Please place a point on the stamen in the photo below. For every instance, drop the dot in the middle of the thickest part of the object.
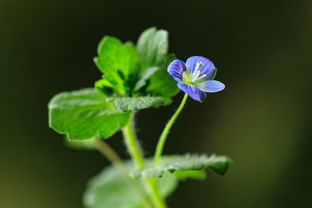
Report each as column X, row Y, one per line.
column 198, row 78
column 195, row 76
column 200, row 64
column 196, row 72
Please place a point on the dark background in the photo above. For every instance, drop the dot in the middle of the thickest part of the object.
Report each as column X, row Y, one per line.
column 262, row 120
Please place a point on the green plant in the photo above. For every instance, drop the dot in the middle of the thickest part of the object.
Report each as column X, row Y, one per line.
column 135, row 78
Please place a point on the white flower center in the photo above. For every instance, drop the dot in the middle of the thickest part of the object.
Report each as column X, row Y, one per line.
column 197, row 75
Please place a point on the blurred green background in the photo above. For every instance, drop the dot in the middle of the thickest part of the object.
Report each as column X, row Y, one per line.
column 262, row 120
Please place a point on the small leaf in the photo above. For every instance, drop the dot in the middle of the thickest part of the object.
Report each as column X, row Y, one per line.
column 87, row 144
column 85, row 114
column 137, row 103
column 145, row 76
column 193, row 174
column 152, row 47
column 167, row 184
column 218, row 164
column 161, row 83
column 104, row 86
column 116, row 60
column 111, row 189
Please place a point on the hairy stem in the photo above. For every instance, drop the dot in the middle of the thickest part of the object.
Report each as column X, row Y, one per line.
column 132, row 142
column 158, row 200
column 112, row 156
column 109, row 153
column 137, row 156
column 164, row 134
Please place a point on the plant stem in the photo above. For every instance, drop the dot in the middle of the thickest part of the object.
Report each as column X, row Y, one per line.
column 137, row 156
column 109, row 153
column 157, row 199
column 112, row 156
column 132, row 142
column 164, row 134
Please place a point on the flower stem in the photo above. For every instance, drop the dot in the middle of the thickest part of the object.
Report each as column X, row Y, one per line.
column 137, row 156
column 164, row 134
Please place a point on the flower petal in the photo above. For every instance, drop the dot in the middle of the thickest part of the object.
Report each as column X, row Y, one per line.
column 193, row 92
column 211, row 86
column 208, row 67
column 176, row 69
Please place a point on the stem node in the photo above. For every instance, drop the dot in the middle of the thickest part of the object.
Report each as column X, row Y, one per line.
column 136, row 154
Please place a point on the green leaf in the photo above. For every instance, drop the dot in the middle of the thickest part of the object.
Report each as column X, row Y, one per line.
column 145, row 76
column 152, row 47
column 218, row 164
column 193, row 174
column 167, row 184
column 111, row 189
column 85, row 114
column 87, row 144
column 116, row 60
column 161, row 83
column 104, row 86
column 137, row 103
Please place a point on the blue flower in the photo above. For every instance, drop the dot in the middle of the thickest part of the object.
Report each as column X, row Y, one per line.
column 195, row 77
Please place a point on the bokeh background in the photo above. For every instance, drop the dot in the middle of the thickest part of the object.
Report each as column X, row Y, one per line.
column 262, row 49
